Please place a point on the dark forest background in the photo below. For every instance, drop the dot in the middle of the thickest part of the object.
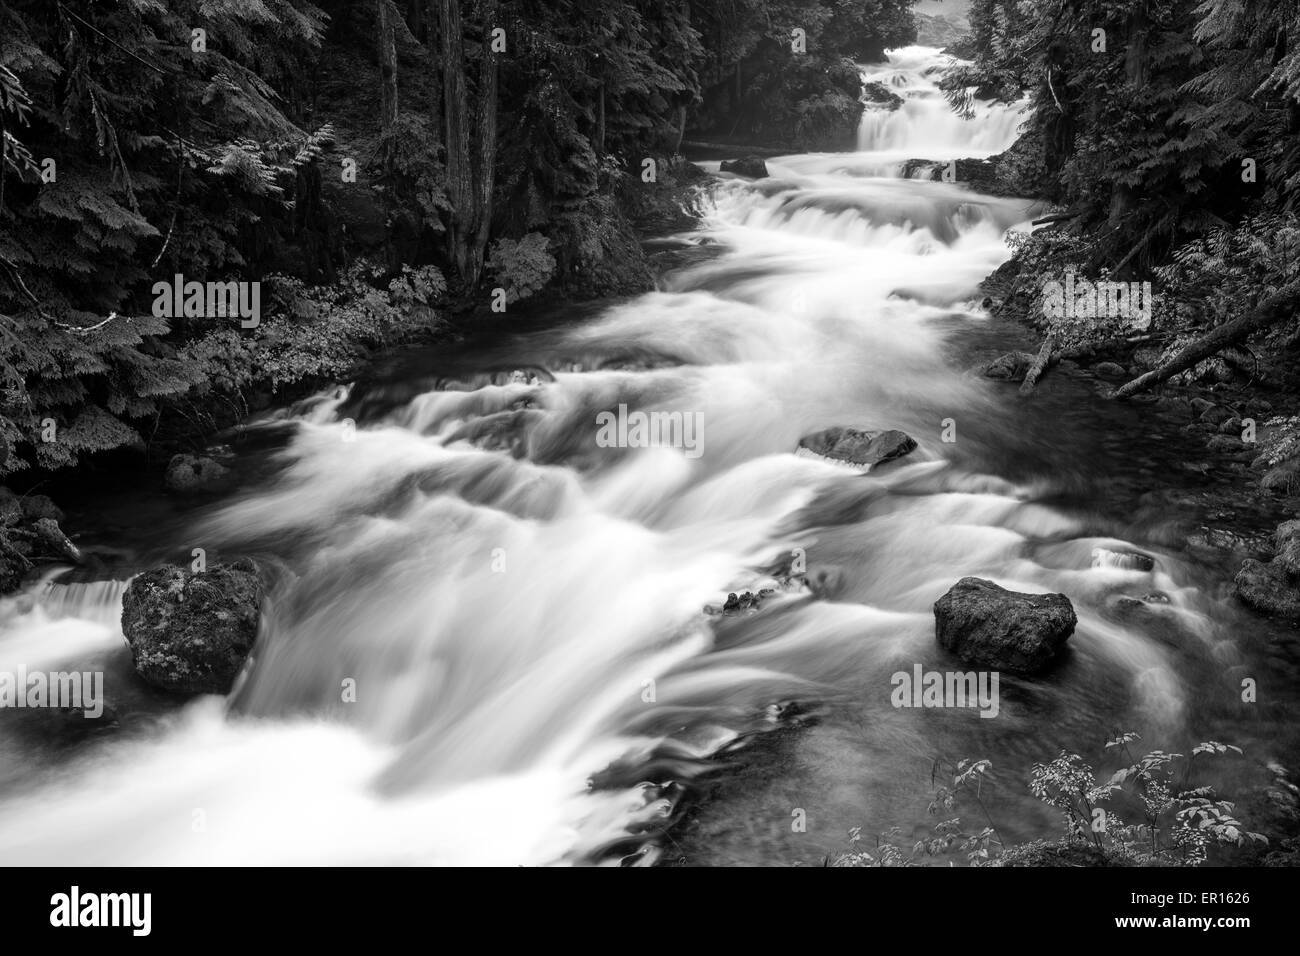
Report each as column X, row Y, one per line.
column 382, row 168
column 378, row 166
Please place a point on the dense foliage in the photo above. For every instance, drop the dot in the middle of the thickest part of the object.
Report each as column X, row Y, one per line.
column 1169, row 135
column 1148, row 812
column 784, row 70
column 364, row 148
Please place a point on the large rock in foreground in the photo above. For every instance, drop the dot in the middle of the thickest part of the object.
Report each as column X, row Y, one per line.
column 989, row 626
column 855, row 447
column 190, row 632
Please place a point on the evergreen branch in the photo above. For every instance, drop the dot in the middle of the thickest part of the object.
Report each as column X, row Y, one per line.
column 153, row 66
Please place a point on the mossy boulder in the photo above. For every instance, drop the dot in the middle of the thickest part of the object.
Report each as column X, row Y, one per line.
column 988, row 626
column 196, row 474
column 190, row 632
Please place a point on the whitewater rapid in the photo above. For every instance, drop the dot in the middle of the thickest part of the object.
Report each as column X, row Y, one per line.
column 536, row 682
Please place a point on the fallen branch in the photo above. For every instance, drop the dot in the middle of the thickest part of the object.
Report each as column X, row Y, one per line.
column 83, row 329
column 1040, row 364
column 1055, row 217
column 1087, row 350
column 1281, row 305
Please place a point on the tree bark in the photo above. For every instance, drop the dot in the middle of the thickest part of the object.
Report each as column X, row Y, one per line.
column 384, row 13
column 431, row 35
column 415, row 19
column 486, row 136
column 1281, row 305
column 456, row 114
column 600, row 123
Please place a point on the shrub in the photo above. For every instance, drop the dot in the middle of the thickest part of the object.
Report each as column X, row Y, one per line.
column 520, row 267
column 1147, row 813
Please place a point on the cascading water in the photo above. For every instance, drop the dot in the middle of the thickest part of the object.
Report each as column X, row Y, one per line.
column 520, row 624
column 925, row 127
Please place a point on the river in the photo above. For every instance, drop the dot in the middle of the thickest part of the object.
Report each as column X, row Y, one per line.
column 535, row 679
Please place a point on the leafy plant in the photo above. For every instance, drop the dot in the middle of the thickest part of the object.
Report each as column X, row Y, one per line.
column 521, row 267
column 1176, row 822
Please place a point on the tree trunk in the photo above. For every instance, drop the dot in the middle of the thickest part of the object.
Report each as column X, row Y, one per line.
column 387, row 63
column 456, row 114
column 681, row 129
column 1123, row 198
column 1281, row 305
column 600, row 123
column 415, row 19
column 431, row 36
column 486, row 134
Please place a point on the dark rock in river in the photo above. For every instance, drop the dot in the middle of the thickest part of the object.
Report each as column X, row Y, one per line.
column 1009, row 367
column 751, row 166
column 1110, row 370
column 856, row 447
column 190, row 632
column 989, row 626
column 195, row 474
column 881, row 95
column 1216, row 415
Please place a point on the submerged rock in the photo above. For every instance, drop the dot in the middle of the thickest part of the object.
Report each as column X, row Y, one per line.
column 987, row 625
column 736, row 603
column 1110, row 370
column 751, row 166
column 857, row 447
column 1123, row 560
column 190, row 632
column 196, row 474
column 1009, row 367
column 1216, row 415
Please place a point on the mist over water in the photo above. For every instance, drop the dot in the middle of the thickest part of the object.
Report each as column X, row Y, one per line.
column 522, row 626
